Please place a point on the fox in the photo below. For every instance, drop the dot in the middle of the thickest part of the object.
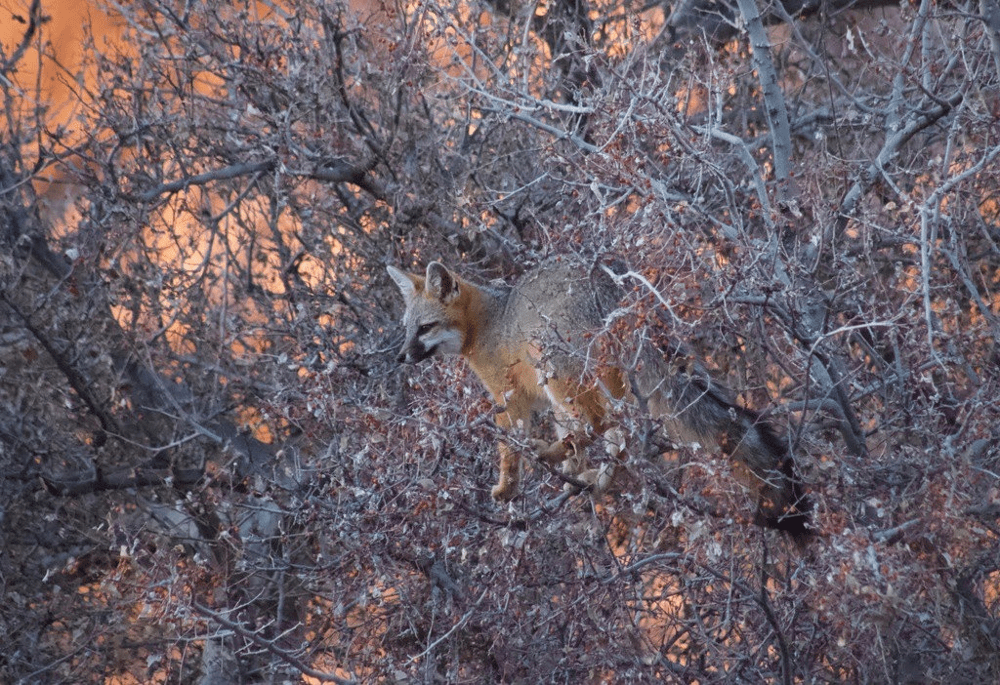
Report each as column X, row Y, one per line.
column 538, row 347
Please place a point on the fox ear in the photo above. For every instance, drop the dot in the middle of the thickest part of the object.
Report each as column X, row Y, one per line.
column 407, row 282
column 441, row 283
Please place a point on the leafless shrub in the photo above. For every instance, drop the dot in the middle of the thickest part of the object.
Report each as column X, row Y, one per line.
column 214, row 471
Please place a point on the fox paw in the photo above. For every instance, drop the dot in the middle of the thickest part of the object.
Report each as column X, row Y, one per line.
column 504, row 492
column 554, row 452
column 599, row 480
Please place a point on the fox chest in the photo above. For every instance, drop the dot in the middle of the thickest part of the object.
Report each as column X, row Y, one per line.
column 514, row 378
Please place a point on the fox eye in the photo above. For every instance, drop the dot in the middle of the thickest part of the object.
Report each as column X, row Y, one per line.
column 425, row 328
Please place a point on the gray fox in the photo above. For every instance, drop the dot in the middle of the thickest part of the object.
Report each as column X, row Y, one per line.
column 538, row 346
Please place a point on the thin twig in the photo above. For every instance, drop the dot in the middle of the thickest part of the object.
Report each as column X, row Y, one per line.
column 461, row 622
column 269, row 645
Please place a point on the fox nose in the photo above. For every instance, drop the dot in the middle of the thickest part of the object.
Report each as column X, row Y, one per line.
column 405, row 355
column 414, row 353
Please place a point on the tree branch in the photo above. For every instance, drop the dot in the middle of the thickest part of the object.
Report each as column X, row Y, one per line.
column 34, row 19
column 330, row 172
column 548, row 128
column 223, row 174
column 75, row 378
column 889, row 149
column 774, row 99
column 748, row 160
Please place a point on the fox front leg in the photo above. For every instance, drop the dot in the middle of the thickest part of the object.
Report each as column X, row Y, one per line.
column 515, row 417
column 510, row 474
column 565, row 451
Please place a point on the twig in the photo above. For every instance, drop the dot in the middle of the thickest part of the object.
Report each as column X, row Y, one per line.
column 928, row 208
column 891, row 534
column 461, row 622
column 748, row 161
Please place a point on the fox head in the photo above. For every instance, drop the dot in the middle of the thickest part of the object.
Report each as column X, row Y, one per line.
column 431, row 319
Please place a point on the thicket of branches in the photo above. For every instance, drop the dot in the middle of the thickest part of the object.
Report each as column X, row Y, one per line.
column 213, row 469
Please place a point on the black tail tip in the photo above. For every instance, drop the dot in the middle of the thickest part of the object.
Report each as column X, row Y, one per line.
column 796, row 522
column 794, row 515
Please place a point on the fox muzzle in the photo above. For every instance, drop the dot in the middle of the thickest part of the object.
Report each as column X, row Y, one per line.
column 415, row 352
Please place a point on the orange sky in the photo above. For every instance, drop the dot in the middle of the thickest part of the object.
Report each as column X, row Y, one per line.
column 62, row 36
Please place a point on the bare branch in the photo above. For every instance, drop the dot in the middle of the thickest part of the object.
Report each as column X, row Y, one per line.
column 756, row 173
column 890, row 148
column 34, row 20
column 80, row 385
column 774, row 99
column 337, row 172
